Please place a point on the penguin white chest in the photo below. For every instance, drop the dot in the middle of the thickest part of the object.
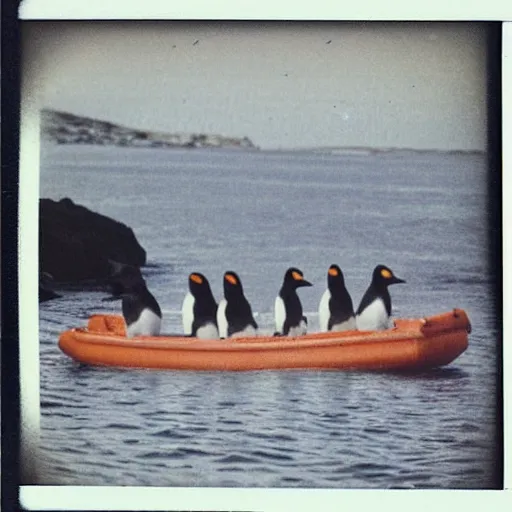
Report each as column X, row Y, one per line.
column 187, row 313
column 247, row 332
column 299, row 330
column 347, row 325
column 323, row 311
column 148, row 324
column 208, row 332
column 279, row 314
column 374, row 317
column 222, row 321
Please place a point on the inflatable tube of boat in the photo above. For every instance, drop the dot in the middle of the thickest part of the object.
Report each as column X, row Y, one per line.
column 413, row 344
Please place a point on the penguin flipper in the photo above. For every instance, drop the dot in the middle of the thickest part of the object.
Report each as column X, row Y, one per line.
column 304, row 325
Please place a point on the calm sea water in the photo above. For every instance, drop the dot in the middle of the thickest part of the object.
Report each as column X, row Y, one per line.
column 258, row 213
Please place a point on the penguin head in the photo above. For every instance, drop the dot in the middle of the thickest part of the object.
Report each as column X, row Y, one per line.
column 383, row 276
column 125, row 279
column 294, row 278
column 232, row 285
column 198, row 283
column 335, row 276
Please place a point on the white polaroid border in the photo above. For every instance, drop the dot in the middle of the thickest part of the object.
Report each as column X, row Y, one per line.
column 34, row 497
column 469, row 10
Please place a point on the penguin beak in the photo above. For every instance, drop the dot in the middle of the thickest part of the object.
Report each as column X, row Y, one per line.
column 396, row 280
column 303, row 282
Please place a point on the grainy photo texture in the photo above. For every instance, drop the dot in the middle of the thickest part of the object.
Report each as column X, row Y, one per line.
column 265, row 183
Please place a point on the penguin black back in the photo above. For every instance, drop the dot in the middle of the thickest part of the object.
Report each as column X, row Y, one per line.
column 136, row 299
column 205, row 306
column 238, row 310
column 288, row 307
column 129, row 285
column 341, row 308
column 382, row 278
column 374, row 311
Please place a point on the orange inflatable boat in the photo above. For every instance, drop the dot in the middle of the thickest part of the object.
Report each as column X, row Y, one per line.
column 412, row 344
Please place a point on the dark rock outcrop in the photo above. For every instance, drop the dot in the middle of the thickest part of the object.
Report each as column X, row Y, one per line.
column 45, row 295
column 46, row 292
column 76, row 243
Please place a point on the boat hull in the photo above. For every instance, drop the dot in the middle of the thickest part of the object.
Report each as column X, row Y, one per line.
column 411, row 345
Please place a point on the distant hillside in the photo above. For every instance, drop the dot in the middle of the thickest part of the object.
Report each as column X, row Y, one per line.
column 65, row 128
column 368, row 150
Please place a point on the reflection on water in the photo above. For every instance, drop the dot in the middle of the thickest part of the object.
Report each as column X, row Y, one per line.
column 259, row 213
column 445, row 373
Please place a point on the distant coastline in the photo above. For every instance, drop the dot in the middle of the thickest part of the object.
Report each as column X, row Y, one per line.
column 66, row 128
column 367, row 150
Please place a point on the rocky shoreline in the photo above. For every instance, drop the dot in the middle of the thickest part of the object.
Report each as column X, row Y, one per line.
column 66, row 128
column 76, row 244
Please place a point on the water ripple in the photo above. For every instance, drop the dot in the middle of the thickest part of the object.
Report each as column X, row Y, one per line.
column 332, row 429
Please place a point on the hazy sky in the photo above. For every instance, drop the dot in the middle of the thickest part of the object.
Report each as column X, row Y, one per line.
column 282, row 85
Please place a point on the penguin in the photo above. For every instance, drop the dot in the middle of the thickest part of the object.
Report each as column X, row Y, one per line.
column 336, row 311
column 374, row 311
column 288, row 309
column 141, row 311
column 199, row 309
column 234, row 314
